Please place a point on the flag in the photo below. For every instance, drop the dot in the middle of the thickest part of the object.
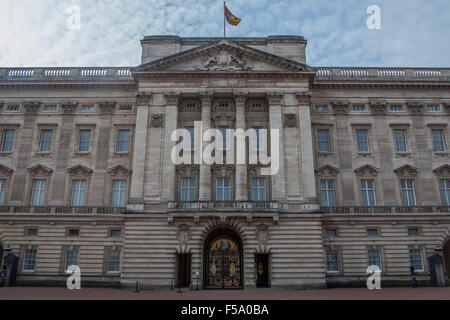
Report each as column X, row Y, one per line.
column 231, row 19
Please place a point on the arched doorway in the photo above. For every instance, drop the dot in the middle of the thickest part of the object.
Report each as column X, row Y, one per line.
column 446, row 252
column 223, row 260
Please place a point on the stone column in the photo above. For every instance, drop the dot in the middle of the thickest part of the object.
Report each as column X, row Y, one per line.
column 205, row 170
column 136, row 202
column 306, row 147
column 274, row 100
column 171, row 124
column 241, row 169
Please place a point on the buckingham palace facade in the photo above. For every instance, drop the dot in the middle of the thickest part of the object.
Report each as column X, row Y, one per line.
column 87, row 176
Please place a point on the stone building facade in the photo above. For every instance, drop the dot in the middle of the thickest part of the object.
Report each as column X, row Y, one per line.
column 87, row 177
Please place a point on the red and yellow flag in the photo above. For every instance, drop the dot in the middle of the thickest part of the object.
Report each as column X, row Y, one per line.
column 231, row 19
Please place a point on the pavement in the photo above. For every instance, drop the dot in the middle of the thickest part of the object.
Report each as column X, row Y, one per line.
column 34, row 293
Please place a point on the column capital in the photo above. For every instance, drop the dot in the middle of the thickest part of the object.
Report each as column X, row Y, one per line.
column 206, row 98
column 274, row 98
column 172, row 98
column 240, row 98
column 303, row 97
column 143, row 98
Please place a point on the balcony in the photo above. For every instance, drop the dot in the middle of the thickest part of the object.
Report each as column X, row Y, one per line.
column 62, row 210
column 227, row 205
column 386, row 210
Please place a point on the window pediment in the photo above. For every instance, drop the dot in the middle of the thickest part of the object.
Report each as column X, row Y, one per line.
column 187, row 170
column 79, row 170
column 407, row 171
column 39, row 170
column 119, row 171
column 5, row 171
column 327, row 170
column 223, row 170
column 442, row 171
column 367, row 170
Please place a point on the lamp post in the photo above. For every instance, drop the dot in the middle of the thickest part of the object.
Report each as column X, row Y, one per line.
column 438, row 249
column 197, row 275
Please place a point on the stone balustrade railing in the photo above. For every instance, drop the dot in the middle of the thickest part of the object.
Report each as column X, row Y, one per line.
column 386, row 210
column 55, row 74
column 325, row 73
column 234, row 205
column 61, row 210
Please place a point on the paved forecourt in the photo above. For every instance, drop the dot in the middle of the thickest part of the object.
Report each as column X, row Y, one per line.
column 33, row 293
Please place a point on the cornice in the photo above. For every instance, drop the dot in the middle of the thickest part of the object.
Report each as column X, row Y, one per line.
column 378, row 85
column 66, row 85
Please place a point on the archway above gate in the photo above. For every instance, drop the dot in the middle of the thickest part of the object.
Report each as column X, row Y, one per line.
column 223, row 260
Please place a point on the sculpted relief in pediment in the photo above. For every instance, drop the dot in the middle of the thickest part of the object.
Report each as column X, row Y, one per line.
column 224, row 61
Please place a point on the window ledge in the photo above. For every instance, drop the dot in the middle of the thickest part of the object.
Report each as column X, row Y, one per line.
column 5, row 154
column 364, row 154
column 442, row 154
column 121, row 153
column 325, row 154
column 403, row 154
column 82, row 154
column 43, row 153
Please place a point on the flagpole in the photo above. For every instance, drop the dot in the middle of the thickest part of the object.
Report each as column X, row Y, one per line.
column 224, row 22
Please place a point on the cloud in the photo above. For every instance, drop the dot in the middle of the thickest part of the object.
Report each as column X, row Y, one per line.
column 413, row 32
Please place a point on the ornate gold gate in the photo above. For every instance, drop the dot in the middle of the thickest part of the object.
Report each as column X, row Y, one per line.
column 223, row 264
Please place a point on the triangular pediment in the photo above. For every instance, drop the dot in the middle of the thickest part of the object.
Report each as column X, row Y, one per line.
column 79, row 170
column 5, row 171
column 407, row 171
column 443, row 171
column 367, row 170
column 40, row 170
column 223, row 56
column 327, row 170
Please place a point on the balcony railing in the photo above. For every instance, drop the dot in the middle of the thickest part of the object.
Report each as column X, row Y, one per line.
column 56, row 74
column 386, row 210
column 330, row 73
column 62, row 210
column 232, row 205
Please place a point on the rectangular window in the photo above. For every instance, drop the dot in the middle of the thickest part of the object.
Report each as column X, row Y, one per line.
column 126, row 107
column 375, row 258
column 123, row 141
column 372, row 232
column 445, row 192
column 258, row 189
column 74, row 232
column 32, row 232
column 2, row 192
column 359, row 108
column 438, row 140
column 223, row 189
column 189, row 140
column 13, row 108
column 323, row 137
column 327, row 193
column 116, row 233
column 400, row 141
column 396, row 108
column 368, row 193
column 119, row 193
column 332, row 261
column 331, row 233
column 259, row 143
column 415, row 256
column 88, row 108
column 408, row 194
column 38, row 193
column 434, row 108
column 113, row 263
column 49, row 108
column 7, row 140
column 223, row 144
column 188, row 190
column 45, row 141
column 29, row 260
column 78, row 193
column 362, row 140
column 321, row 108
column 413, row 232
column 84, row 142
column 71, row 259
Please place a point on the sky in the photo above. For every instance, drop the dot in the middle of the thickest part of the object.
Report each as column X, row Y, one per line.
column 38, row 33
